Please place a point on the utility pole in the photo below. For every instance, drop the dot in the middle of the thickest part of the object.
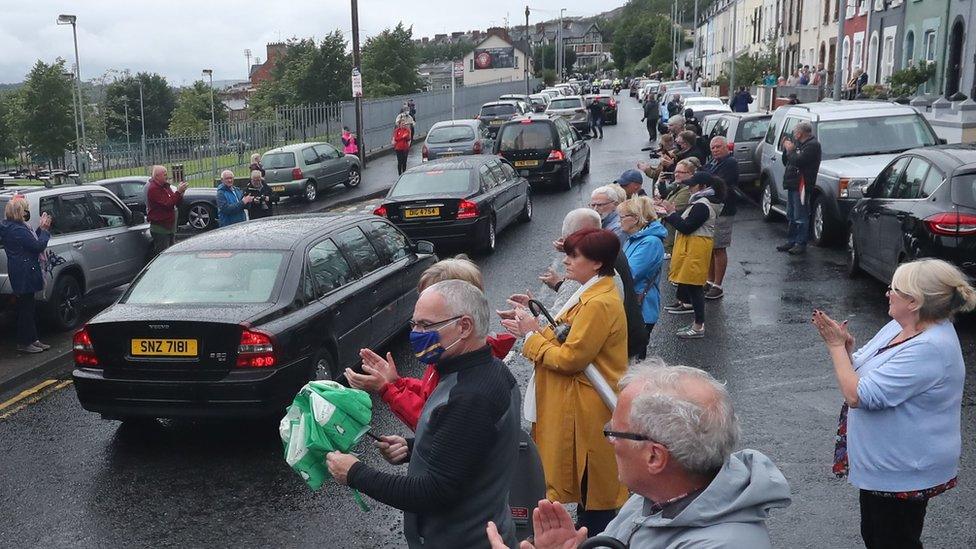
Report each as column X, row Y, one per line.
column 694, row 61
column 142, row 121
column 128, row 141
column 247, row 56
column 356, row 61
column 559, row 48
column 735, row 28
column 74, row 104
column 73, row 20
column 526, row 52
column 839, row 67
column 213, row 124
column 674, row 40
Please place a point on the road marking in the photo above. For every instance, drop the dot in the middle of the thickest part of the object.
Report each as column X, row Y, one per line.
column 30, row 396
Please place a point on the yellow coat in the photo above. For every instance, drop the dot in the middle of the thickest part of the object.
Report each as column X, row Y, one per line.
column 570, row 413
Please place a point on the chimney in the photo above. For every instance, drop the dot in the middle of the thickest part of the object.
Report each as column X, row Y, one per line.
column 276, row 50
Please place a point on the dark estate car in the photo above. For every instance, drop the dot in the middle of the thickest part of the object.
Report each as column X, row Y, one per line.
column 231, row 323
column 198, row 209
column 923, row 204
column 458, row 201
column 544, row 149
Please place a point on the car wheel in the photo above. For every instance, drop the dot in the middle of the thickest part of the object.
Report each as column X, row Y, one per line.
column 491, row 236
column 324, row 369
column 853, row 255
column 311, row 191
column 201, row 216
column 766, row 201
column 824, row 226
column 586, row 166
column 355, row 177
column 64, row 309
column 526, row 215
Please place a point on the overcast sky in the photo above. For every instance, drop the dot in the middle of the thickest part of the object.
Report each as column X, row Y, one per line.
column 178, row 38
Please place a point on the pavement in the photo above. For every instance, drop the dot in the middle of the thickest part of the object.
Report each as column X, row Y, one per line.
column 70, row 478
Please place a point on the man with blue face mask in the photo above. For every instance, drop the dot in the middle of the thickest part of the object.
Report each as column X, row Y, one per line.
column 463, row 455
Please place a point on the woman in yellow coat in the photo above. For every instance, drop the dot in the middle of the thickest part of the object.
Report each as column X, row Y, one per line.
column 570, row 414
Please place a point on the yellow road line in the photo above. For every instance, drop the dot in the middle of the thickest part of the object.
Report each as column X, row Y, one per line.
column 30, row 396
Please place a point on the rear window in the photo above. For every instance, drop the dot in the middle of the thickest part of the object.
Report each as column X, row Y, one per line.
column 208, row 277
column 432, row 182
column 877, row 135
column 752, row 130
column 450, row 134
column 497, row 110
column 963, row 190
column 275, row 161
column 518, row 137
column 567, row 103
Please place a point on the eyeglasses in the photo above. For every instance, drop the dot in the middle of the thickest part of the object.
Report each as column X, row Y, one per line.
column 599, row 204
column 899, row 292
column 432, row 326
column 612, row 436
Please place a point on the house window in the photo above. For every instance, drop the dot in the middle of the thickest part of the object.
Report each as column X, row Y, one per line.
column 929, row 42
column 858, row 50
column 909, row 47
column 826, row 11
column 887, row 58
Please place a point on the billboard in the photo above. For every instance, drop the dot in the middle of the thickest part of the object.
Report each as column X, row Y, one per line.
column 494, row 58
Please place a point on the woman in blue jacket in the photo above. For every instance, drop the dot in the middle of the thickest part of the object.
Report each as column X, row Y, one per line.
column 645, row 253
column 899, row 438
column 23, row 247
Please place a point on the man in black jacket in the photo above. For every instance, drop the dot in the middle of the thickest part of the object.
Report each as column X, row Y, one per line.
column 801, row 156
column 652, row 113
column 460, row 462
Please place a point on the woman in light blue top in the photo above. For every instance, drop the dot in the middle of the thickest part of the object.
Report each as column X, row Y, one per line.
column 645, row 253
column 899, row 433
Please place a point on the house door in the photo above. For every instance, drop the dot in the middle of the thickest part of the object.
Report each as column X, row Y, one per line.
column 954, row 68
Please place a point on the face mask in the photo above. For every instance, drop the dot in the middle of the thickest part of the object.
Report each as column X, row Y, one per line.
column 427, row 346
column 26, row 215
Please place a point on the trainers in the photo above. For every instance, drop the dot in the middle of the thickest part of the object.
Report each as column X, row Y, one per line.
column 667, row 257
column 798, row 250
column 714, row 292
column 682, row 310
column 29, row 349
column 675, row 305
column 708, row 285
column 785, row 247
column 43, row 346
column 691, row 333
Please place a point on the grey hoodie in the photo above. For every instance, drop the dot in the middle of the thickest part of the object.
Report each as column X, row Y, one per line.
column 729, row 513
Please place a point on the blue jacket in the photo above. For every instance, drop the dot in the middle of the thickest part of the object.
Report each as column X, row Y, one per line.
column 645, row 254
column 230, row 206
column 23, row 249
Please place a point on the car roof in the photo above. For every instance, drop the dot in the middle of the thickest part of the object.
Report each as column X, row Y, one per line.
column 493, row 103
column 464, row 162
column 294, row 148
column 280, row 232
column 533, row 116
column 580, row 97
column 742, row 115
column 843, row 110
column 948, row 156
column 458, row 122
column 55, row 189
column 140, row 178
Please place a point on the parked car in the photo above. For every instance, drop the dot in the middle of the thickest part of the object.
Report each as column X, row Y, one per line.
column 704, row 106
column 648, row 90
column 539, row 102
column 744, row 132
column 496, row 113
column 305, row 169
column 552, row 93
column 524, row 101
column 455, row 138
column 858, row 138
column 922, row 204
column 198, row 208
column 96, row 244
column 567, row 89
column 573, row 110
column 665, row 98
column 544, row 149
column 609, row 107
column 460, row 201
column 231, row 323
column 635, row 86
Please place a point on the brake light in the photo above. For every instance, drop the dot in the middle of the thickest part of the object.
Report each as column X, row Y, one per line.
column 843, row 187
column 526, row 121
column 467, row 210
column 951, row 224
column 476, row 149
column 380, row 211
column 556, row 156
column 731, row 146
column 296, row 173
column 84, row 351
column 256, row 350
column 424, row 153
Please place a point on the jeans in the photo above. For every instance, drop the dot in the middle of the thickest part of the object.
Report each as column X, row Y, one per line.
column 652, row 129
column 596, row 127
column 402, row 161
column 891, row 523
column 696, row 296
column 26, row 320
column 798, row 216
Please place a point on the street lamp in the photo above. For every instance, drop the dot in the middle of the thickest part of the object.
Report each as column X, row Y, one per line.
column 72, row 20
column 213, row 122
column 142, row 120
column 74, row 106
column 560, row 48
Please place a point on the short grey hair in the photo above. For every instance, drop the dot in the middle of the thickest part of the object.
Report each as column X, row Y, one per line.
column 677, row 120
column 463, row 298
column 226, row 173
column 580, row 218
column 156, row 170
column 700, row 436
column 719, row 139
column 612, row 192
column 256, row 174
column 805, row 127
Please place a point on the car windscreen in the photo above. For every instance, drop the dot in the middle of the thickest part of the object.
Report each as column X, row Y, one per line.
column 277, row 161
column 497, row 110
column 963, row 190
column 520, row 137
column 875, row 135
column 568, row 103
column 432, row 182
column 752, row 130
column 450, row 134
column 217, row 277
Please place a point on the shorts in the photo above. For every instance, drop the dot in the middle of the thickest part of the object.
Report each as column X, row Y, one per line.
column 723, row 232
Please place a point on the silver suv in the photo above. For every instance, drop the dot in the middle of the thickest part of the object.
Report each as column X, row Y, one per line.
column 96, row 243
column 858, row 139
column 307, row 168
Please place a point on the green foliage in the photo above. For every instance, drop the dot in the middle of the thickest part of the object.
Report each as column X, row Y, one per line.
column 749, row 68
column 390, row 63
column 46, row 111
column 307, row 73
column 159, row 100
column 905, row 82
column 548, row 77
column 9, row 140
column 431, row 53
column 192, row 113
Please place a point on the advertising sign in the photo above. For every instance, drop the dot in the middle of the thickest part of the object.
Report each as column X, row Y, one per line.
column 494, row 58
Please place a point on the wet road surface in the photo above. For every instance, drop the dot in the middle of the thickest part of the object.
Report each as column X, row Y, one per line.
column 71, row 479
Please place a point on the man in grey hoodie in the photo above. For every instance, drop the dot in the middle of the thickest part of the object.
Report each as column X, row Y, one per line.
column 673, row 432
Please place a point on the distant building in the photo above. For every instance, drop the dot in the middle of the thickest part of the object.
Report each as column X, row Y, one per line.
column 581, row 36
column 437, row 75
column 261, row 72
column 496, row 58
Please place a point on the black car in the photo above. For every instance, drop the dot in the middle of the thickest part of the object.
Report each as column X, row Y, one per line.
column 462, row 200
column 923, row 204
column 496, row 113
column 609, row 107
column 544, row 149
column 231, row 323
column 198, row 209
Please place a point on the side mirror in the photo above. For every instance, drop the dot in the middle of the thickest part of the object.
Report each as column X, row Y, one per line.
column 137, row 218
column 942, row 141
column 423, row 247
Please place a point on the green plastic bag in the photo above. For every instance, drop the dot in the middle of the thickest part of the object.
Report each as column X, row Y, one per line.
column 324, row 417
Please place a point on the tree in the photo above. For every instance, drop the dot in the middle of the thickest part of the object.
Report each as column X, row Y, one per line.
column 545, row 57
column 749, row 68
column 390, row 63
column 158, row 100
column 307, row 73
column 192, row 113
column 432, row 53
column 8, row 139
column 46, row 111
